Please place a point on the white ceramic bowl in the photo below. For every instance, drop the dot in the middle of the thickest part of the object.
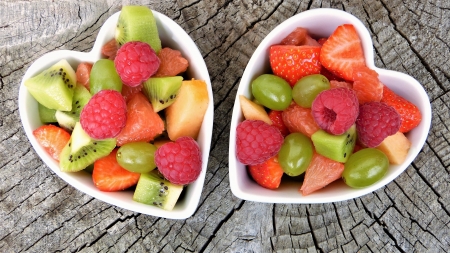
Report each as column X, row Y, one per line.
column 321, row 23
column 171, row 35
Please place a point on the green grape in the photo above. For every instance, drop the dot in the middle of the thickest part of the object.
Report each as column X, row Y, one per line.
column 365, row 167
column 272, row 91
column 137, row 157
column 295, row 154
column 104, row 77
column 307, row 88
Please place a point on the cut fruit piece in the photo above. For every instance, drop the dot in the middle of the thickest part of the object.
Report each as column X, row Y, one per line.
column 253, row 111
column 67, row 119
column 277, row 121
column 143, row 123
column 52, row 138
column 342, row 51
column 153, row 189
column 83, row 72
column 81, row 151
column 53, row 87
column 299, row 119
column 185, row 116
column 109, row 50
column 137, row 23
column 162, row 91
column 109, row 176
column 395, row 147
column 46, row 115
column 267, row 174
column 336, row 147
column 320, row 172
column 366, row 85
column 172, row 63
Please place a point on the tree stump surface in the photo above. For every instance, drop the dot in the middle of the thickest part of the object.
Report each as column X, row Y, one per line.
column 39, row 212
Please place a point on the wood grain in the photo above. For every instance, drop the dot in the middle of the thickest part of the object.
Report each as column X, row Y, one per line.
column 39, row 212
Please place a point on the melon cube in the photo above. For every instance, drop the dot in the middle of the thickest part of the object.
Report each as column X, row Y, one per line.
column 395, row 147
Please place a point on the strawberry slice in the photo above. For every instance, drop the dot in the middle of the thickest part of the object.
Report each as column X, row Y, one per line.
column 52, row 139
column 109, row 176
column 342, row 51
column 410, row 115
column 277, row 120
column 267, row 174
column 366, row 84
column 294, row 62
column 320, row 172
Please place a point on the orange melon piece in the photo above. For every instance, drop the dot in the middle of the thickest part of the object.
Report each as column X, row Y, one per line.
column 253, row 111
column 395, row 147
column 143, row 123
column 185, row 116
column 320, row 172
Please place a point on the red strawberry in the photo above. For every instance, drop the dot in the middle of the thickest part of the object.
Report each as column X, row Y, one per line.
column 267, row 174
column 410, row 115
column 320, row 172
column 109, row 176
column 321, row 41
column 52, row 139
column 277, row 121
column 342, row 52
column 294, row 62
column 366, row 85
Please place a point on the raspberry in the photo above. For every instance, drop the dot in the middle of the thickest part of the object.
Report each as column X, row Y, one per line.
column 135, row 62
column 104, row 115
column 335, row 110
column 180, row 162
column 256, row 141
column 375, row 122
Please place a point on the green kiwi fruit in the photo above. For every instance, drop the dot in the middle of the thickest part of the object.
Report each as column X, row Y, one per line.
column 46, row 115
column 162, row 91
column 153, row 189
column 54, row 87
column 67, row 119
column 137, row 23
column 336, row 147
column 81, row 150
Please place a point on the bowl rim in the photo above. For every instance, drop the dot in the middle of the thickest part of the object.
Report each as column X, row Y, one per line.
column 244, row 188
column 172, row 32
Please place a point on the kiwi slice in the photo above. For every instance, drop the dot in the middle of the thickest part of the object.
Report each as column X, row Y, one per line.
column 67, row 119
column 153, row 189
column 46, row 115
column 137, row 23
column 335, row 147
column 81, row 150
column 162, row 91
column 54, row 87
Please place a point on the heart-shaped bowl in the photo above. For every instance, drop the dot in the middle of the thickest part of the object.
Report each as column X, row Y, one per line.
column 321, row 23
column 173, row 36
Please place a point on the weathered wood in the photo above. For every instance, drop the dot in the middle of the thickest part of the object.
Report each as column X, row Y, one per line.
column 39, row 212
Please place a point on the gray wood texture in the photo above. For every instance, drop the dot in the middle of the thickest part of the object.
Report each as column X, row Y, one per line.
column 39, row 212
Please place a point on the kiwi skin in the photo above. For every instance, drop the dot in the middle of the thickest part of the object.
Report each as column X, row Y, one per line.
column 86, row 153
column 162, row 91
column 137, row 23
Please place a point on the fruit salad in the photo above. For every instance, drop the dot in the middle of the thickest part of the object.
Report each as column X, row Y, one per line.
column 130, row 119
column 322, row 115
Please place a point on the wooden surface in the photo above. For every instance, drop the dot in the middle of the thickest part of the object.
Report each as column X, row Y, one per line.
column 39, row 212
